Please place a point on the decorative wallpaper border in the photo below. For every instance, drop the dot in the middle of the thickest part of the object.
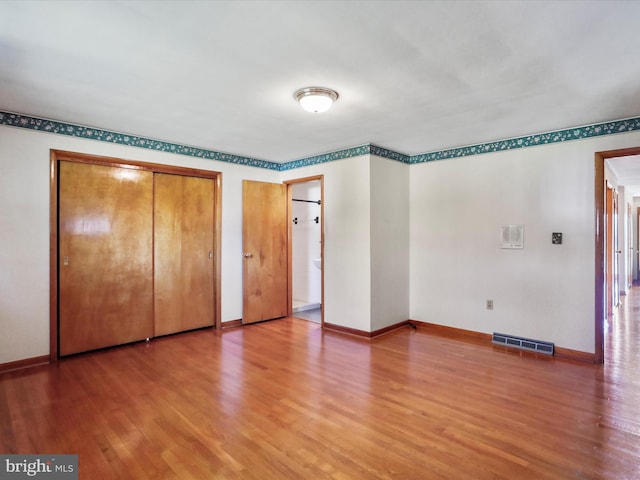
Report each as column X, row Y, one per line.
column 346, row 153
column 390, row 154
column 60, row 128
column 327, row 157
column 578, row 133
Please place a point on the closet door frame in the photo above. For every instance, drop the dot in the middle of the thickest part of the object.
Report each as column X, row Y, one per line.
column 57, row 156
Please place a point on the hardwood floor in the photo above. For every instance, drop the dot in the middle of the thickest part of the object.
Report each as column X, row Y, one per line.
column 284, row 400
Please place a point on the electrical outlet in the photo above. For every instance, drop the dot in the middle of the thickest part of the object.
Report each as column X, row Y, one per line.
column 489, row 304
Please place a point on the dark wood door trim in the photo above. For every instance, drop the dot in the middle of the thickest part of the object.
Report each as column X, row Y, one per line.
column 56, row 156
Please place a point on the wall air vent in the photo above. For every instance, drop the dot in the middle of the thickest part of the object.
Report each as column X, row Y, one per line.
column 523, row 343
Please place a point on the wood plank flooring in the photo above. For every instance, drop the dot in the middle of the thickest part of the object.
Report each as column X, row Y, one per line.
column 284, row 400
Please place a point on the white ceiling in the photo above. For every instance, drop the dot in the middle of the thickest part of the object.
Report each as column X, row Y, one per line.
column 413, row 76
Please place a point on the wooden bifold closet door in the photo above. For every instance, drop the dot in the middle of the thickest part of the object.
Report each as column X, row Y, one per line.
column 183, row 239
column 105, row 272
column 136, row 255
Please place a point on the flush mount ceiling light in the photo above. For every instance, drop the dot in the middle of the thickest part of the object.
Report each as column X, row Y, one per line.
column 316, row 99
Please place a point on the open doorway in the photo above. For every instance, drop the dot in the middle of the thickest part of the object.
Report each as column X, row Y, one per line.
column 617, row 177
column 306, row 253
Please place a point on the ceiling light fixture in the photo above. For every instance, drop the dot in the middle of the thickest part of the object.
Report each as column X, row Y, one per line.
column 316, row 99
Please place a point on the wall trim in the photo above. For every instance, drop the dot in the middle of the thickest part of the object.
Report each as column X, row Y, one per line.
column 332, row 327
column 232, row 323
column 327, row 157
column 534, row 140
column 390, row 154
column 389, row 328
column 101, row 135
column 24, row 363
column 452, row 332
column 363, row 333
column 576, row 355
column 485, row 338
column 557, row 136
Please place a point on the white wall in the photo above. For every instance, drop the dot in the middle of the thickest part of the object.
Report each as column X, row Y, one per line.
column 389, row 242
column 455, row 209
column 347, row 253
column 24, row 230
column 305, row 240
column 544, row 291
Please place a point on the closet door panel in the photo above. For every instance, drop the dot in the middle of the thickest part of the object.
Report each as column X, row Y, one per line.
column 183, row 258
column 105, row 256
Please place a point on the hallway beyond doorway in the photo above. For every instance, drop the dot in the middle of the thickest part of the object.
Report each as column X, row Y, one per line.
column 622, row 338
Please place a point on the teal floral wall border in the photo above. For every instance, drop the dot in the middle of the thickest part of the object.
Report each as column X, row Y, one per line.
column 578, row 133
column 60, row 128
column 327, row 157
column 346, row 153
column 390, row 154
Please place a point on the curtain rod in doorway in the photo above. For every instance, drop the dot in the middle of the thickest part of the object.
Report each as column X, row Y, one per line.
column 308, row 201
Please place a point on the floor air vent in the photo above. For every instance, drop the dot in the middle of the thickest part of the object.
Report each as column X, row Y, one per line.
column 523, row 343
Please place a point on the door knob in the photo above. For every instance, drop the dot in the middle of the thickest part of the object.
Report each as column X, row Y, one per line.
column 248, row 255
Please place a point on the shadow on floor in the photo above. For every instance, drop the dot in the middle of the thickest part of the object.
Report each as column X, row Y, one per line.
column 313, row 315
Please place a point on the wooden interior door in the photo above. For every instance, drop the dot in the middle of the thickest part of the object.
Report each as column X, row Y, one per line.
column 105, row 271
column 183, row 253
column 264, row 241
